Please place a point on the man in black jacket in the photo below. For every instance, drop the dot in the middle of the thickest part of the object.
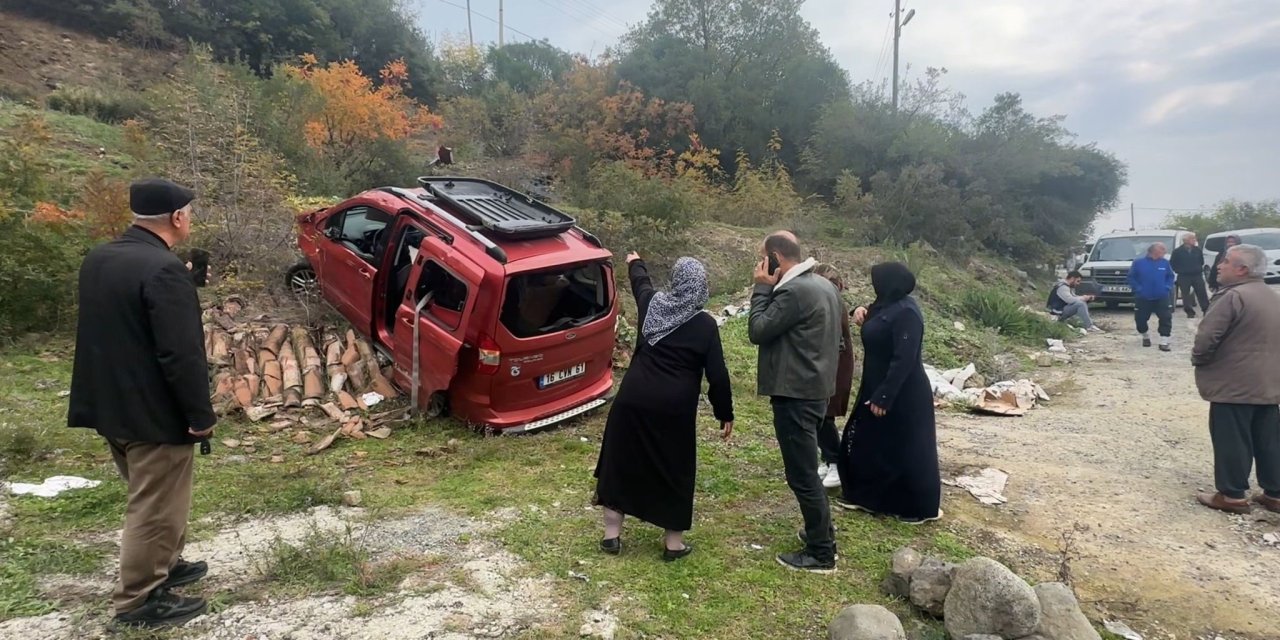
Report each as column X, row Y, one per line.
column 1188, row 264
column 1230, row 241
column 796, row 321
column 141, row 380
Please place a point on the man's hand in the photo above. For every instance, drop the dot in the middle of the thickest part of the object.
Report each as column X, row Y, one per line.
column 762, row 276
column 200, row 434
column 877, row 410
column 726, row 429
column 1089, row 297
column 859, row 316
column 632, row 257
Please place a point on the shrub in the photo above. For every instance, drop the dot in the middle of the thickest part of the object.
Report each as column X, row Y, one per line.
column 37, row 278
column 111, row 108
column 1003, row 313
column 617, row 186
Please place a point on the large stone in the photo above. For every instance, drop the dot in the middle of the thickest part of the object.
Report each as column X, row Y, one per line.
column 987, row 598
column 866, row 622
column 1060, row 614
column 898, row 583
column 930, row 584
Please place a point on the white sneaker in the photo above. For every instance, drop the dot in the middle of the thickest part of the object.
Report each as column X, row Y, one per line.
column 1096, row 329
column 822, row 470
column 832, row 479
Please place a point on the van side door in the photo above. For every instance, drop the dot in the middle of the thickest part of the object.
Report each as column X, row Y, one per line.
column 439, row 301
column 348, row 266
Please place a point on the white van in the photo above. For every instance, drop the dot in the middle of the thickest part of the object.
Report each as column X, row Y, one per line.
column 1106, row 271
column 1266, row 238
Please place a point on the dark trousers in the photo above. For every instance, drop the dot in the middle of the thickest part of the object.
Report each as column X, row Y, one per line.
column 829, row 441
column 1188, row 285
column 796, row 423
column 1163, row 308
column 1241, row 434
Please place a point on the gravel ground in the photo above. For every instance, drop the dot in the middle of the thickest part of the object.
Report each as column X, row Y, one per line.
column 1123, row 451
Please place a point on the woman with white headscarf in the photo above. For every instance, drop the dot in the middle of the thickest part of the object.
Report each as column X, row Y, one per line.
column 649, row 455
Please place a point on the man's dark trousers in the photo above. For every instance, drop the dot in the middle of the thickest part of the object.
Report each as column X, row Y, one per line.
column 1242, row 433
column 1193, row 284
column 796, row 423
column 1163, row 308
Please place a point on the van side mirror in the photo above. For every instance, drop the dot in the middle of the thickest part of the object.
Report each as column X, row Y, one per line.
column 333, row 233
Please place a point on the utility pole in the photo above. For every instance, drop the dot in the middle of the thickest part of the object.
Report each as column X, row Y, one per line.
column 471, row 39
column 501, row 28
column 1133, row 225
column 898, row 23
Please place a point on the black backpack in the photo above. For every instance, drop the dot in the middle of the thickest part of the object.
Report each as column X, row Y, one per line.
column 1055, row 304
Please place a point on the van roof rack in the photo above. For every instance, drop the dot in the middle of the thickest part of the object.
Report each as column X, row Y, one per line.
column 494, row 251
column 497, row 209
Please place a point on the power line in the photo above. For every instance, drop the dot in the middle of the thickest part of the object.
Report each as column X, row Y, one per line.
column 884, row 48
column 493, row 20
column 598, row 12
column 576, row 14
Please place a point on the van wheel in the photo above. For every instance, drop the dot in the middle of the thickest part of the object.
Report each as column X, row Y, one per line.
column 437, row 406
column 301, row 280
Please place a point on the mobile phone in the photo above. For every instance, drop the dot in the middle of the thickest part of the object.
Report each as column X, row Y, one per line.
column 773, row 264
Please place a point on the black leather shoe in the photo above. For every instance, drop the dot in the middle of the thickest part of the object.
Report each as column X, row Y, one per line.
column 1146, row 342
column 162, row 609
column 1166, row 348
column 612, row 546
column 670, row 555
column 185, row 573
column 802, row 561
column 804, row 538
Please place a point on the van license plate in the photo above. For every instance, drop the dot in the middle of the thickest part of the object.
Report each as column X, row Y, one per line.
column 560, row 376
column 1116, row 290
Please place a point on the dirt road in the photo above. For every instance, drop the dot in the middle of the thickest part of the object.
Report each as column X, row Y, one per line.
column 1123, row 450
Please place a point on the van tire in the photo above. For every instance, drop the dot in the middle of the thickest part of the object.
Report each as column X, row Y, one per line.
column 301, row 280
column 437, row 406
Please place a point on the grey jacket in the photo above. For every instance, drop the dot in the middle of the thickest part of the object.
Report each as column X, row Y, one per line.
column 1238, row 345
column 797, row 327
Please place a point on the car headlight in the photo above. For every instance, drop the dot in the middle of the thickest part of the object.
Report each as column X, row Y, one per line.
column 1086, row 271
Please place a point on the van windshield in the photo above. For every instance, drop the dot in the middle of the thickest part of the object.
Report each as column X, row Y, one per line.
column 1268, row 241
column 1126, row 249
column 546, row 302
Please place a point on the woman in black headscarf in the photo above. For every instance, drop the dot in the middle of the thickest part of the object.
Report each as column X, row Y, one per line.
column 649, row 455
column 889, row 454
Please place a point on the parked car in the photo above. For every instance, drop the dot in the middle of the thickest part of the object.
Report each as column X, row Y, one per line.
column 1106, row 271
column 1266, row 238
column 490, row 304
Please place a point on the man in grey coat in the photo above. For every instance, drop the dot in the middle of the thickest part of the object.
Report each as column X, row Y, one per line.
column 1235, row 354
column 795, row 320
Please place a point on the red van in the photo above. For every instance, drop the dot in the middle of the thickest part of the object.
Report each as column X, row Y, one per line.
column 492, row 306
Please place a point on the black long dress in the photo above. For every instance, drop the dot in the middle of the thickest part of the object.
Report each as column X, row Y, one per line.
column 648, row 459
column 889, row 465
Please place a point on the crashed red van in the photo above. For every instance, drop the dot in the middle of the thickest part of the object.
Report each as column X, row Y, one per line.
column 491, row 305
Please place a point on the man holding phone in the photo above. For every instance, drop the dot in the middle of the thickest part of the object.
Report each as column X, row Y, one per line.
column 795, row 320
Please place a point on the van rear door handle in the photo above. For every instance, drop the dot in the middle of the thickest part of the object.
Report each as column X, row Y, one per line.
column 366, row 273
column 407, row 322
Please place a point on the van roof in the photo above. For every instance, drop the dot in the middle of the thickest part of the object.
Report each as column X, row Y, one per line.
column 522, row 254
column 1142, row 232
column 1237, row 232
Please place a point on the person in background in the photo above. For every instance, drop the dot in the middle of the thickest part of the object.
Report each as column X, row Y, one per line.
column 648, row 459
column 140, row 379
column 795, row 320
column 1235, row 354
column 828, row 433
column 1188, row 265
column 889, row 457
column 1065, row 305
column 1151, row 278
column 1230, row 241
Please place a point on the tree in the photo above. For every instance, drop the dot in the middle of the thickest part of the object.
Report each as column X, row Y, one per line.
column 1229, row 216
column 528, row 67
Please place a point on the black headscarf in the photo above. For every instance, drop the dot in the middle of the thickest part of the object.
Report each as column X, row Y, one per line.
column 892, row 282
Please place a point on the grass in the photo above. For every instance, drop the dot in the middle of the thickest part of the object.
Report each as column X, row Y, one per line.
column 73, row 153
column 327, row 562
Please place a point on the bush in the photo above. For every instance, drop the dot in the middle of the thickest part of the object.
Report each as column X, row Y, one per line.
column 1003, row 313
column 111, row 108
column 37, row 279
column 616, row 186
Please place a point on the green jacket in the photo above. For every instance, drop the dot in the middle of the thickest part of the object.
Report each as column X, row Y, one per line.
column 797, row 327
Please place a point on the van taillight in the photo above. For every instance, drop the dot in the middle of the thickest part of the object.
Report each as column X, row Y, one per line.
column 489, row 356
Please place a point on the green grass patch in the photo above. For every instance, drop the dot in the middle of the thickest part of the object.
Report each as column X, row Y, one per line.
column 73, row 153
column 325, row 562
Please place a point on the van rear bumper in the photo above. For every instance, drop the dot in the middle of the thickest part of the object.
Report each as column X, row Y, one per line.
column 540, row 417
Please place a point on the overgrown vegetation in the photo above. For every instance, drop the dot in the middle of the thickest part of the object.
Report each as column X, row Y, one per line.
column 325, row 561
column 1230, row 215
column 1006, row 315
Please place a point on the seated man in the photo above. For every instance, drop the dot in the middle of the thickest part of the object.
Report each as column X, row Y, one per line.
column 1064, row 304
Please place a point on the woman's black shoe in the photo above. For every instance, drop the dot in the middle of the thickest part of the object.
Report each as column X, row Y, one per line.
column 672, row 555
column 612, row 546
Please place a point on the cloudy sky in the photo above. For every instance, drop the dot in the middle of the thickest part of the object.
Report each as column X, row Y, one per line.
column 1186, row 92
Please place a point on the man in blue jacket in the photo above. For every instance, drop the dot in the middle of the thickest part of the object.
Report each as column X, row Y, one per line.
column 1151, row 278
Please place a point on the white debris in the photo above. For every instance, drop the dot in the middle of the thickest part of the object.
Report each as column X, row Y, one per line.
column 1056, row 346
column 372, row 398
column 958, row 377
column 942, row 387
column 987, row 486
column 1121, row 629
column 1271, row 539
column 51, row 487
column 757, row 547
column 958, row 325
column 731, row 311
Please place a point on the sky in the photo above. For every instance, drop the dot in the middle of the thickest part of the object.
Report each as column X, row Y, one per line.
column 1186, row 93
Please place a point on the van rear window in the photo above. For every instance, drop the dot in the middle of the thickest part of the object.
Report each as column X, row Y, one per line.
column 547, row 302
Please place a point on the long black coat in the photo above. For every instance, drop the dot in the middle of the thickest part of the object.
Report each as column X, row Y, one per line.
column 140, row 372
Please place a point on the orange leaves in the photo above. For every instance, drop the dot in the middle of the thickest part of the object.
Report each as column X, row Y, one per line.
column 50, row 214
column 352, row 110
column 101, row 210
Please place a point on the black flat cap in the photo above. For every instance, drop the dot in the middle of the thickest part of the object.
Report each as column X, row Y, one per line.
column 157, row 197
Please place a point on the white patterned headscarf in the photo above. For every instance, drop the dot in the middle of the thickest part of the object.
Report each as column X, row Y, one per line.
column 685, row 299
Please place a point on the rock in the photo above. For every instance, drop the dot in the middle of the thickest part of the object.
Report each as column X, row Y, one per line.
column 898, row 583
column 599, row 624
column 352, row 499
column 986, row 597
column 982, row 636
column 930, row 584
column 1060, row 614
column 866, row 622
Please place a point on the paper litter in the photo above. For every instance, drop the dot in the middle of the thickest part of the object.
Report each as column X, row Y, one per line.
column 1056, row 346
column 987, row 486
column 372, row 398
column 1121, row 629
column 51, row 487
